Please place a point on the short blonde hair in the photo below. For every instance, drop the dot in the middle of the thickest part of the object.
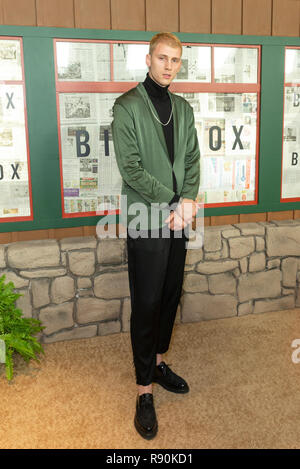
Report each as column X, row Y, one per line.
column 167, row 38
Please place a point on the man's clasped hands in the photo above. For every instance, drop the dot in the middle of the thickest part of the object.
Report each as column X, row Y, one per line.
column 184, row 214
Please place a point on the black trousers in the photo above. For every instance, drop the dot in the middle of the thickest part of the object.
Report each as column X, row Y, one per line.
column 155, row 270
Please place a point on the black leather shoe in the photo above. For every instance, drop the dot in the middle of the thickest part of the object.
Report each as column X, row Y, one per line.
column 164, row 376
column 145, row 418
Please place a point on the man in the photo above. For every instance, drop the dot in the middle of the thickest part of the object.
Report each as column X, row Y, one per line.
column 158, row 155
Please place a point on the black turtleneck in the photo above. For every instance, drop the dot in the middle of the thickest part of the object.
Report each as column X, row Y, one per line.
column 162, row 103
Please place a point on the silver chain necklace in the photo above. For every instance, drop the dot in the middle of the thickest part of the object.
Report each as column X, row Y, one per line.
column 158, row 119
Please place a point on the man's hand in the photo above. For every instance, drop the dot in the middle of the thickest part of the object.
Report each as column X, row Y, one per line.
column 187, row 209
column 183, row 215
column 175, row 222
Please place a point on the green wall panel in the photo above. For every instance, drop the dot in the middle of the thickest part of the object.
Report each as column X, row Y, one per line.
column 43, row 131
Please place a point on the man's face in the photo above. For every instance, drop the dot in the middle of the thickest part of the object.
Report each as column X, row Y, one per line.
column 164, row 63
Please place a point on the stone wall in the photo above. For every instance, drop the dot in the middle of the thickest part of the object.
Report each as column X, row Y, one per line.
column 78, row 287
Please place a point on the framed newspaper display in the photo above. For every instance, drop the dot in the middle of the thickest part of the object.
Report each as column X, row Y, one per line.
column 226, row 109
column 222, row 84
column 15, row 181
column 290, row 172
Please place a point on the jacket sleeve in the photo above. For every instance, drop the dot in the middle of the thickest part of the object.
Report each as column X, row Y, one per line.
column 129, row 162
column 192, row 162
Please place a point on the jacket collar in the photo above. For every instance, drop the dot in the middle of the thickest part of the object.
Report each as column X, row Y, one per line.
column 141, row 89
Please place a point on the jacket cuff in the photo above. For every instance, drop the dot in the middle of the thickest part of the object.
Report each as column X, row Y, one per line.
column 173, row 203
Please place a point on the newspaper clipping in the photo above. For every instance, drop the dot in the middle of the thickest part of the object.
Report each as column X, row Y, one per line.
column 14, row 181
column 291, row 144
column 10, row 60
column 91, row 179
column 130, row 61
column 235, row 65
column 83, row 61
column 227, row 133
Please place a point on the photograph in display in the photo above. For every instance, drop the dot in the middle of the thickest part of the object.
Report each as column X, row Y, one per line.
column 195, row 64
column 14, row 179
column 130, row 62
column 10, row 60
column 292, row 65
column 83, row 61
column 91, row 179
column 291, row 144
column 235, row 64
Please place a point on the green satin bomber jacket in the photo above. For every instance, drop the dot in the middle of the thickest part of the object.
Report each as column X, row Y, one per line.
column 143, row 160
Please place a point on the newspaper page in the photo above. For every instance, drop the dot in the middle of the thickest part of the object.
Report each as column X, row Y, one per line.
column 235, row 64
column 14, row 181
column 292, row 66
column 83, row 61
column 91, row 178
column 291, row 144
column 10, row 60
column 130, row 62
column 195, row 64
column 226, row 125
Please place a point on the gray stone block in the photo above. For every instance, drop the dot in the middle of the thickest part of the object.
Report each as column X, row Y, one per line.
column 83, row 332
column 250, row 229
column 10, row 276
column 62, row 289
column 126, row 314
column 57, row 317
column 85, row 242
column 202, row 306
column 195, row 283
column 111, row 251
column 230, row 232
column 244, row 265
column 215, row 267
column 40, row 292
column 289, row 267
column 82, row 262
column 193, row 256
column 112, row 285
column 222, row 284
column 241, row 247
column 214, row 256
column 32, row 254
column 112, row 327
column 257, row 262
column 283, row 241
column 298, row 297
column 50, row 273
column 2, row 257
column 259, row 285
column 273, row 263
column 212, row 239
column 24, row 303
column 84, row 282
column 245, row 308
column 95, row 310
column 263, row 306
column 260, row 243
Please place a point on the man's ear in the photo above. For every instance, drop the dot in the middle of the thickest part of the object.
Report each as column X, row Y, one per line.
column 148, row 60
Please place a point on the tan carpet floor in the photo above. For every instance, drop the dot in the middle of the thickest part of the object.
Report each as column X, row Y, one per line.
column 245, row 390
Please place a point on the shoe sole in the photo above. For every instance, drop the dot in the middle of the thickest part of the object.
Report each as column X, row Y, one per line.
column 146, row 435
column 177, row 391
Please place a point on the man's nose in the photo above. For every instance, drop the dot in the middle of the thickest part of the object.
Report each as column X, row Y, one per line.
column 168, row 64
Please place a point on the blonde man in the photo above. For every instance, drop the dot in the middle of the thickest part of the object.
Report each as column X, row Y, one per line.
column 158, row 155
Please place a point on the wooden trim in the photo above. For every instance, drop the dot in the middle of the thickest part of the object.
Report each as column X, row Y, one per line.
column 82, row 231
column 282, row 215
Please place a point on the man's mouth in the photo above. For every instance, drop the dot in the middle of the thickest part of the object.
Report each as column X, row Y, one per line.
column 166, row 76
